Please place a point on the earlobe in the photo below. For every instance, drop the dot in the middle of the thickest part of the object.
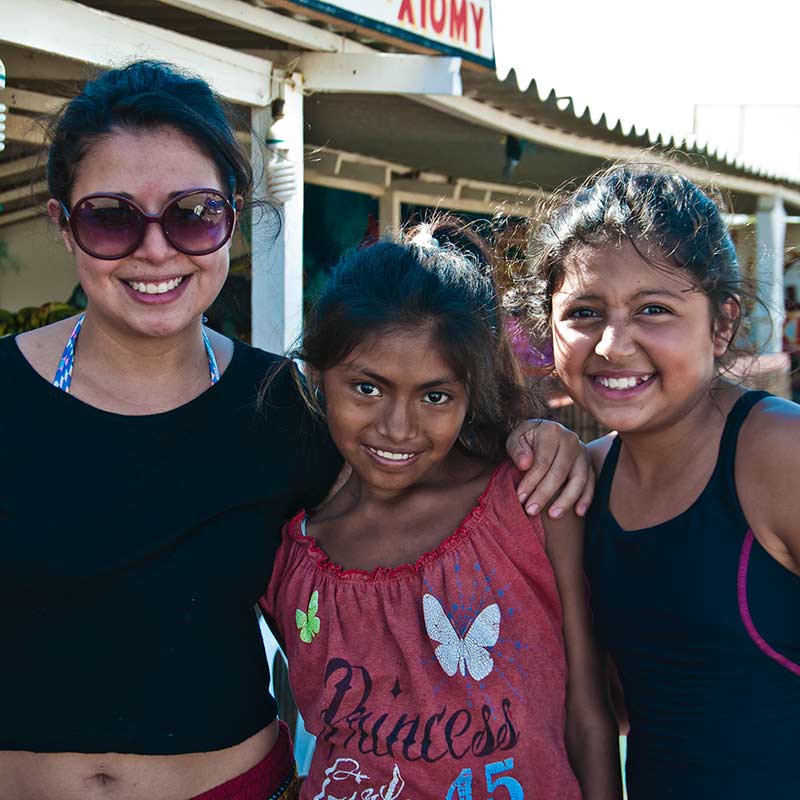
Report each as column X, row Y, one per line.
column 238, row 205
column 314, row 380
column 56, row 214
column 725, row 327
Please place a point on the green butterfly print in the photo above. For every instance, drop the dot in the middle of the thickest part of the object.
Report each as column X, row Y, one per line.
column 307, row 621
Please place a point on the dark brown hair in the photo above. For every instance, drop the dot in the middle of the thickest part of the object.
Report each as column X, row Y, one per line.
column 670, row 222
column 439, row 274
column 144, row 95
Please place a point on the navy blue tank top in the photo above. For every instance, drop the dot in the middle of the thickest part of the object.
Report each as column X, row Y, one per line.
column 704, row 627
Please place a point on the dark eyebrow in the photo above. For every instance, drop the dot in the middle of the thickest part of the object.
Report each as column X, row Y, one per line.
column 582, row 298
column 378, row 378
column 169, row 196
column 661, row 293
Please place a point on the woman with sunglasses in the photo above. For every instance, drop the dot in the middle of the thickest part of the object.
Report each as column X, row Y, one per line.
column 140, row 518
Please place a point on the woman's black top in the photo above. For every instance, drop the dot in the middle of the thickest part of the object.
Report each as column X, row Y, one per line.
column 132, row 552
column 704, row 628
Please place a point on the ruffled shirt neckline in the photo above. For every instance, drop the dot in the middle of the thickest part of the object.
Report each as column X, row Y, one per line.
column 452, row 541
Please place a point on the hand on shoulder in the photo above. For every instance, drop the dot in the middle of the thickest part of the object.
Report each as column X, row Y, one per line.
column 554, row 462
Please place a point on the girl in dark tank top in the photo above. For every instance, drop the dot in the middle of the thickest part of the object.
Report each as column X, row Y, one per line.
column 693, row 545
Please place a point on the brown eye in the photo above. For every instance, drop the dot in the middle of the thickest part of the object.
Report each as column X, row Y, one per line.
column 367, row 389
column 583, row 313
column 436, row 398
column 655, row 310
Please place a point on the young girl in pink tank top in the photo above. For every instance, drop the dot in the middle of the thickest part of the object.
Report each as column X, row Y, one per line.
column 429, row 623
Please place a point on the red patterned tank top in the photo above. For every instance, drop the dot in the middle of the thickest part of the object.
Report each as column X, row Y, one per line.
column 440, row 679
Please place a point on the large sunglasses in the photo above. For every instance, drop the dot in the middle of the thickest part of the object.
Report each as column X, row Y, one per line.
column 110, row 226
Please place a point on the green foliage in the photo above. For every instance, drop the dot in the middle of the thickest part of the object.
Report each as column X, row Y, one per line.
column 7, row 262
column 26, row 319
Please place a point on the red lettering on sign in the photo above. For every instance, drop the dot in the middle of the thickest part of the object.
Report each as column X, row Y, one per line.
column 439, row 20
column 446, row 16
column 477, row 17
column 458, row 20
column 406, row 10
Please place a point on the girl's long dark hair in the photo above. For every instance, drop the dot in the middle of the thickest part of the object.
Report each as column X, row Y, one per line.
column 438, row 274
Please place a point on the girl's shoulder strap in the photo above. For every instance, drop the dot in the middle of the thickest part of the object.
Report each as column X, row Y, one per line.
column 606, row 477
column 726, row 460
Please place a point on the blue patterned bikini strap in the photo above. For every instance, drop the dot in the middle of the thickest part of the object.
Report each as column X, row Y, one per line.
column 213, row 370
column 63, row 378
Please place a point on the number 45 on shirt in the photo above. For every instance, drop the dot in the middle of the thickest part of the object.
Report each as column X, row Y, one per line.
column 461, row 788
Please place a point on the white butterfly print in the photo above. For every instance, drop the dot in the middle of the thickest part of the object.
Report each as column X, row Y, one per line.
column 468, row 654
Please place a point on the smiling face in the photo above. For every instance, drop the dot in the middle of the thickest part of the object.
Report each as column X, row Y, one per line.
column 156, row 291
column 633, row 343
column 395, row 409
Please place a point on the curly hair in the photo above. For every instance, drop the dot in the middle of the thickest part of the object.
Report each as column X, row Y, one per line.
column 671, row 222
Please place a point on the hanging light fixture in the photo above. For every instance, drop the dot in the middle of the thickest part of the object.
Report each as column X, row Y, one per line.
column 513, row 155
column 281, row 172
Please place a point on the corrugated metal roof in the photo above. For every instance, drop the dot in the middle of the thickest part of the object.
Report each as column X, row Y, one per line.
column 539, row 98
column 540, row 102
column 537, row 102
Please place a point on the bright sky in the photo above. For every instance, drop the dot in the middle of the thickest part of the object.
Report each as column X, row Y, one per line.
column 651, row 62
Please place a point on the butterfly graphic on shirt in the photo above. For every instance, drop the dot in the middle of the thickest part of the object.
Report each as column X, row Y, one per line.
column 307, row 621
column 467, row 654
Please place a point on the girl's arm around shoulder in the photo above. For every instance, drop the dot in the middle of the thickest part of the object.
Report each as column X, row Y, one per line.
column 591, row 732
column 554, row 461
column 768, row 477
column 277, row 593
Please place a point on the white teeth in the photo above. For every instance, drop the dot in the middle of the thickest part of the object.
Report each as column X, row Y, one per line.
column 623, row 383
column 155, row 288
column 392, row 456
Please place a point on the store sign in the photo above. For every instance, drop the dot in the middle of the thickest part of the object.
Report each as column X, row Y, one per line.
column 456, row 27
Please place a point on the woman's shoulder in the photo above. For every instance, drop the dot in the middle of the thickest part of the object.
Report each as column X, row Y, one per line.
column 42, row 348
column 251, row 354
column 771, row 433
column 768, row 443
column 270, row 376
column 767, row 469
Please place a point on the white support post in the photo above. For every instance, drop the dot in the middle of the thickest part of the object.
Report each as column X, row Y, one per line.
column 388, row 211
column 2, row 108
column 277, row 260
column 770, row 241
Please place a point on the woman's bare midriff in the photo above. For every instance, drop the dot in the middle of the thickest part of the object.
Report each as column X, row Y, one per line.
column 120, row 776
